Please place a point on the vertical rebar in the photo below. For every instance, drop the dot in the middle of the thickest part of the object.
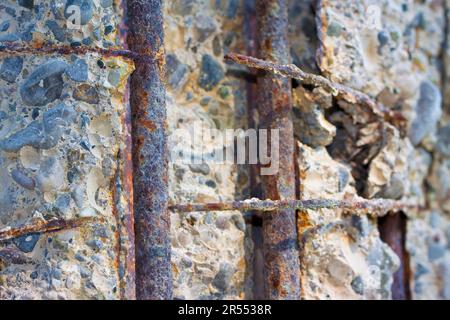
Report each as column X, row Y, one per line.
column 393, row 232
column 123, row 186
column 150, row 154
column 281, row 255
column 255, row 183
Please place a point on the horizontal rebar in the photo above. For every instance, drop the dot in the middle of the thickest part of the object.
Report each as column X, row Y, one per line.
column 43, row 226
column 374, row 207
column 12, row 48
column 337, row 89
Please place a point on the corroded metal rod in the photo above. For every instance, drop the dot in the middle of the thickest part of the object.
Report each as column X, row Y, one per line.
column 375, row 207
column 291, row 71
column 150, row 154
column 123, row 190
column 43, row 226
column 7, row 48
column 123, row 186
column 253, row 169
column 279, row 231
column 393, row 232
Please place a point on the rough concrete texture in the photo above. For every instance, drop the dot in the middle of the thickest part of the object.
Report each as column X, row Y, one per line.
column 342, row 256
column 396, row 57
column 363, row 43
column 338, row 252
column 59, row 159
column 428, row 236
column 61, row 134
column 428, row 246
column 50, row 22
column 212, row 252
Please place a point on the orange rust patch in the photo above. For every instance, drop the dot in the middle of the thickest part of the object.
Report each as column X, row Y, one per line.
column 148, row 124
column 303, row 221
column 275, row 280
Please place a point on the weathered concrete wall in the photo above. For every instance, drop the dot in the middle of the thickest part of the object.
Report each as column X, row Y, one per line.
column 398, row 60
column 346, row 149
column 429, row 233
column 63, row 136
column 212, row 252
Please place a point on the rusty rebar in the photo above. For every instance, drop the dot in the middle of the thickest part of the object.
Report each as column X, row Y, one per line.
column 7, row 48
column 280, row 245
column 43, row 226
column 254, row 177
column 122, row 183
column 125, row 210
column 123, row 190
column 341, row 91
column 150, row 153
column 374, row 207
column 393, row 232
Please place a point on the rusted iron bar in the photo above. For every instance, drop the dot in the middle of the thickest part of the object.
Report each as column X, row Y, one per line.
column 123, row 187
column 124, row 209
column 254, row 177
column 43, row 226
column 375, row 207
column 150, row 153
column 341, row 91
column 280, row 245
column 393, row 232
column 16, row 49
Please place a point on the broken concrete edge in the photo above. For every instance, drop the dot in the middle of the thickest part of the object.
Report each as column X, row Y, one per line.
column 123, row 198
